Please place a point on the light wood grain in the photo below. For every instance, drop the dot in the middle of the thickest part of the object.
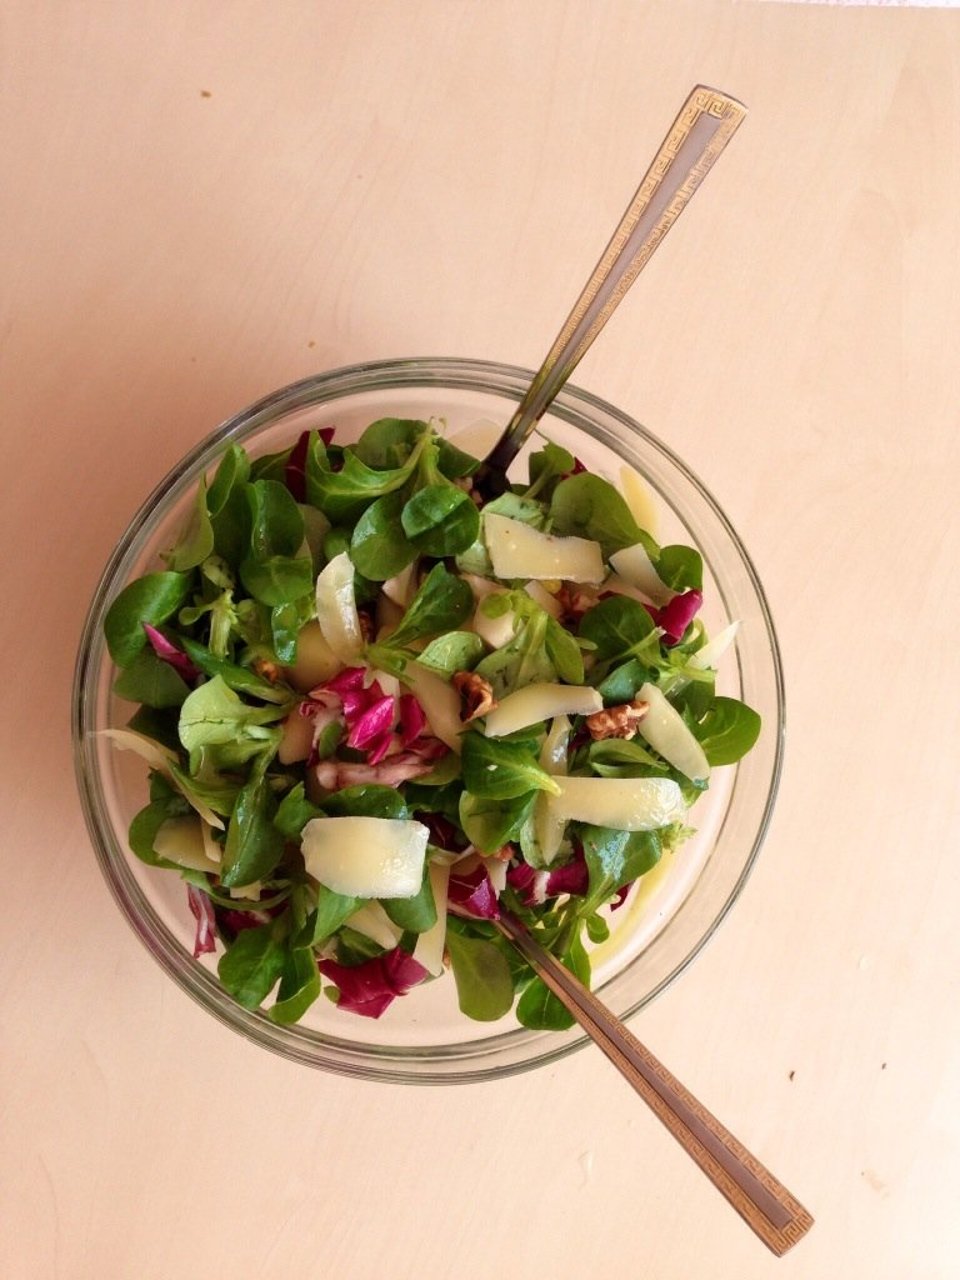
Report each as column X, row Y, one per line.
column 369, row 180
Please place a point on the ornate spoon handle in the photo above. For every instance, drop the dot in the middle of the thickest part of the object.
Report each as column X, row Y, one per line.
column 764, row 1203
column 706, row 123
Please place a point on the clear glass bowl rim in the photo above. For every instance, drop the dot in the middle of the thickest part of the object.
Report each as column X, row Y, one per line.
column 404, row 1064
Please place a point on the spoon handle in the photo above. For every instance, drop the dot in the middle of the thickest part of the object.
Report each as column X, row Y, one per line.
column 764, row 1203
column 706, row 123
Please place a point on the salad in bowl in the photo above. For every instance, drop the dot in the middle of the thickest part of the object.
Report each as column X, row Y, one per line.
column 366, row 710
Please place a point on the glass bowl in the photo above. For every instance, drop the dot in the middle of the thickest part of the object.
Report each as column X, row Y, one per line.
column 423, row 1038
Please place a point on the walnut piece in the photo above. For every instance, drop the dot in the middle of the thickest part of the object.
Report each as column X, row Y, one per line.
column 476, row 695
column 617, row 722
column 574, row 600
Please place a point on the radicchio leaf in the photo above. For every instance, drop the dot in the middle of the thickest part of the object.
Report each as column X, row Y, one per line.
column 201, row 908
column 370, row 988
column 168, row 652
column 676, row 615
column 471, row 893
column 413, row 719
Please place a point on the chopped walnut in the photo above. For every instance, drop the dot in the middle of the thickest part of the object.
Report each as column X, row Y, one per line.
column 476, row 695
column 617, row 722
column 367, row 627
column 574, row 600
column 266, row 669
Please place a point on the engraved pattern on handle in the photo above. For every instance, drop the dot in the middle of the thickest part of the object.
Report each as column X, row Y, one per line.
column 704, row 126
column 765, row 1204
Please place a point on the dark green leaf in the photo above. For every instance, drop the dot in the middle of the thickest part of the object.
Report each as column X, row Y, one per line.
column 387, row 443
column 279, row 579
column 416, row 914
column 585, row 506
column 441, row 604
column 151, row 681
column 379, row 547
column 286, row 623
column 680, row 568
column 276, row 522
column 622, row 683
column 564, row 652
column 490, row 824
column 293, row 812
column 331, row 911
column 620, row 627
column 615, row 858
column 240, row 679
column 456, row 651
column 344, row 495
column 299, row 986
column 367, row 800
column 153, row 598
column 546, row 467
column 251, row 965
column 196, row 539
column 146, row 824
column 254, row 845
column 727, row 731
column 538, row 1008
column 623, row 758
column 483, row 977
column 440, row 520
column 495, row 769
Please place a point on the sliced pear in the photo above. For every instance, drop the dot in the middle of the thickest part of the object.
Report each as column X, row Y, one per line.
column 626, row 804
column 297, row 740
column 664, row 728
column 337, row 609
column 517, row 550
column 316, row 662
column 374, row 923
column 180, row 840
column 366, row 857
column 440, row 702
column 537, row 702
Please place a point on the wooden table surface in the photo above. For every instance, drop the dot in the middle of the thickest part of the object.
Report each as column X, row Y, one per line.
column 203, row 201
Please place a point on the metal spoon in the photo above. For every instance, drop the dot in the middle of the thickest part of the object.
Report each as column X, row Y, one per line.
column 706, row 123
column 765, row 1204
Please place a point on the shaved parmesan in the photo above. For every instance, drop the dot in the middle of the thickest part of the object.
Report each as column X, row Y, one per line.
column 634, row 565
column 517, row 550
column 711, row 653
column 627, row 804
column 537, row 702
column 639, row 499
column 366, row 857
column 664, row 728
column 337, row 609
